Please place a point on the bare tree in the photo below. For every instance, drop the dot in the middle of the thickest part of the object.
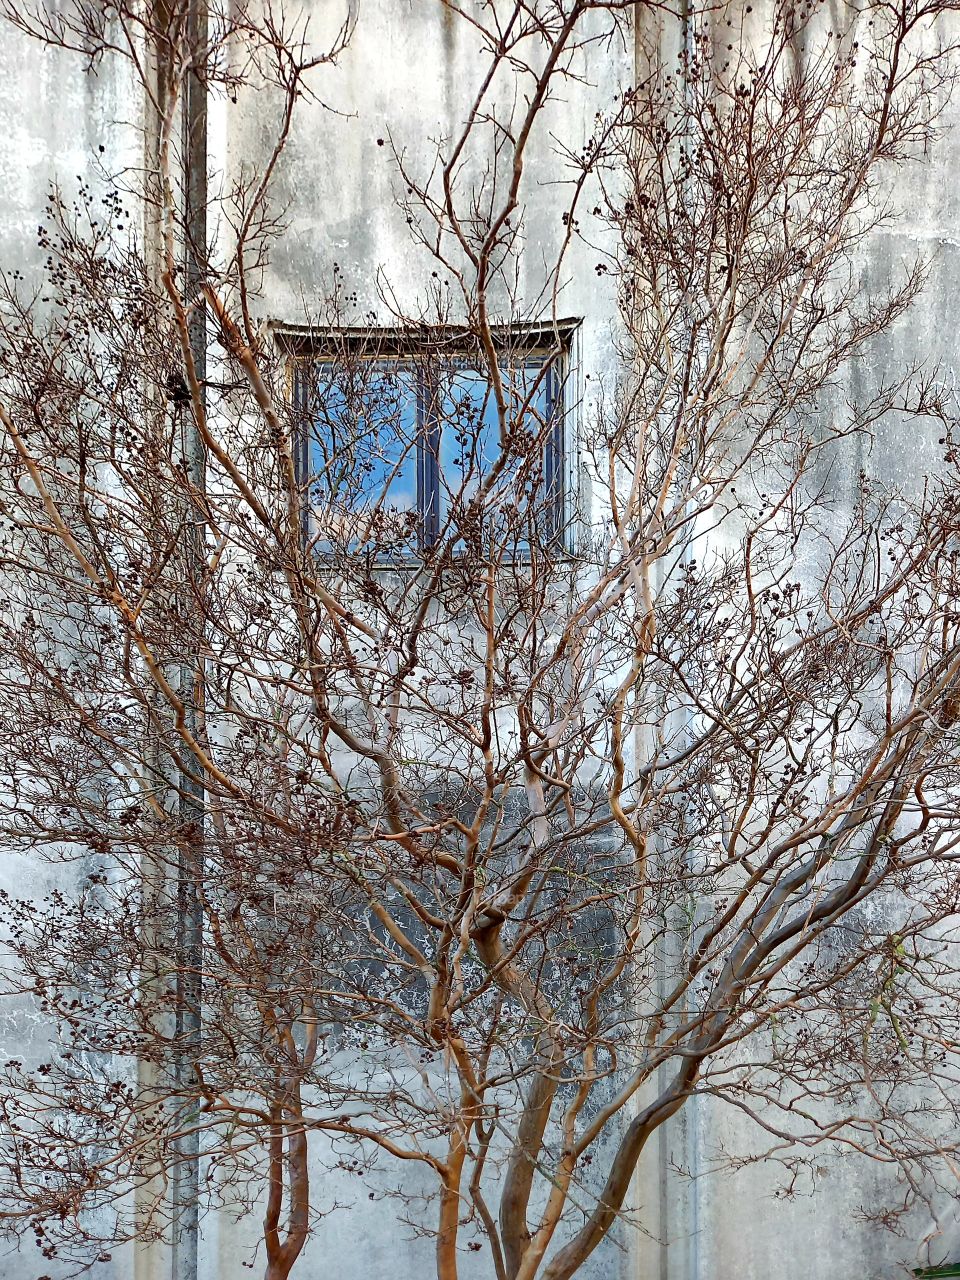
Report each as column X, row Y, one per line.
column 511, row 817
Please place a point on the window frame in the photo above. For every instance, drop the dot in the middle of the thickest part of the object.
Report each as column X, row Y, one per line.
column 550, row 343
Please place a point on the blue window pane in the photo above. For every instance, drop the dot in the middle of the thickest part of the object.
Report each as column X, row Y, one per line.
column 363, row 456
column 397, row 450
column 469, row 433
column 468, row 428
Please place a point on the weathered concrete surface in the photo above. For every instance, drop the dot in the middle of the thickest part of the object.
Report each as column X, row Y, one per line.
column 341, row 188
column 405, row 83
column 59, row 124
column 407, row 78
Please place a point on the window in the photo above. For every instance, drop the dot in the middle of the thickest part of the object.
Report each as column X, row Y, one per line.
column 408, row 450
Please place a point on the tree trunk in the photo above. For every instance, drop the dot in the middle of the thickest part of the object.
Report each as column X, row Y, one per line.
column 282, row 1256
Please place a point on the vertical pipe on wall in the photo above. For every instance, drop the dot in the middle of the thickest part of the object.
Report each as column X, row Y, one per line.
column 176, row 36
column 189, row 912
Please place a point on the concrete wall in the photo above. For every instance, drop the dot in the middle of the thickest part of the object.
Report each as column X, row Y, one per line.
column 407, row 78
column 404, row 84
column 341, row 189
column 714, row 1223
column 63, row 124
